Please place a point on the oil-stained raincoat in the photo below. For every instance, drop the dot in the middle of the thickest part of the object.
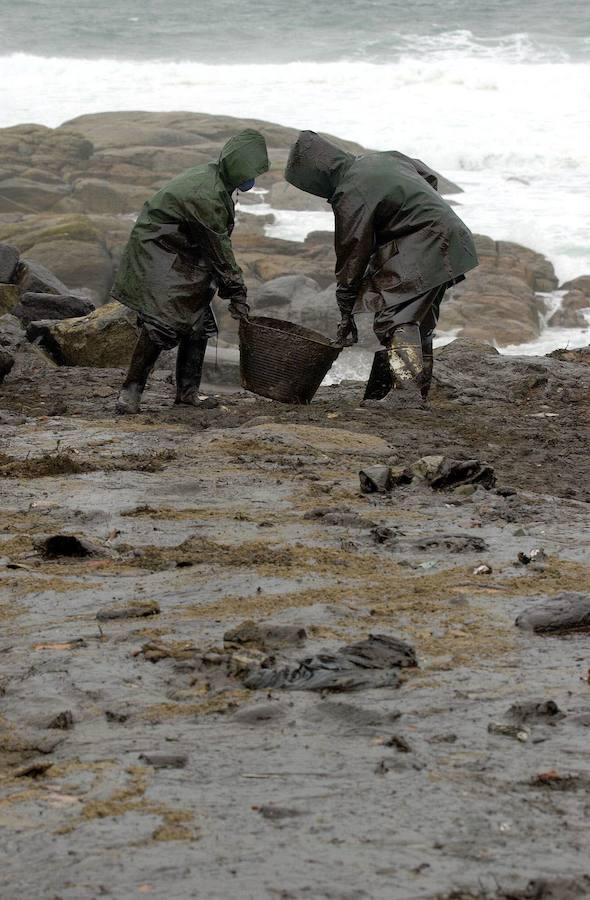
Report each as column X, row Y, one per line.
column 179, row 251
column 395, row 236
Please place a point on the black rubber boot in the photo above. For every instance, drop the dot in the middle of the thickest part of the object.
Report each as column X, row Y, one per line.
column 428, row 362
column 189, row 369
column 142, row 362
column 380, row 380
column 407, row 370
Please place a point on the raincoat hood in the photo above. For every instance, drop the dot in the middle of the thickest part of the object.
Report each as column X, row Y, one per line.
column 242, row 158
column 316, row 165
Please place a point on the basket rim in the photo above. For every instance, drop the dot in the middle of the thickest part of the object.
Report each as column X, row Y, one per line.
column 255, row 321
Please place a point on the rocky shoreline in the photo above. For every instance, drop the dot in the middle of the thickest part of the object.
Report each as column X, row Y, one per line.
column 68, row 197
column 232, row 666
column 151, row 567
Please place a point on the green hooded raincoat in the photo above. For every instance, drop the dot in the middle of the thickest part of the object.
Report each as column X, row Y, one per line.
column 179, row 251
column 395, row 236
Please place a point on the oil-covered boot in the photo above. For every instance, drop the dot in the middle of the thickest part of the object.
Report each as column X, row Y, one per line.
column 380, row 380
column 406, row 368
column 142, row 362
column 189, row 369
column 428, row 362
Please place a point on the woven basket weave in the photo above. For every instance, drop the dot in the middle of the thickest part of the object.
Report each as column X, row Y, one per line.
column 283, row 361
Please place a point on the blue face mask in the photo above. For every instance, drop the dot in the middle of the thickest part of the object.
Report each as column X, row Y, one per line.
column 246, row 185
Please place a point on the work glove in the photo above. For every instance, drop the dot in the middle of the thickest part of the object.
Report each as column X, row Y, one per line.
column 239, row 309
column 347, row 333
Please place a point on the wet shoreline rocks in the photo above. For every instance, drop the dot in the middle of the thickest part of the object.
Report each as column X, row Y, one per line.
column 71, row 195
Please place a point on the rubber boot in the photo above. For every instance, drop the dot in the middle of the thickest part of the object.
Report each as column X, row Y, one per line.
column 189, row 369
column 380, row 381
column 407, row 370
column 428, row 362
column 142, row 362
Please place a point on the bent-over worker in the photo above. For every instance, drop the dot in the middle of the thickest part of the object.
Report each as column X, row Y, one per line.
column 398, row 245
column 178, row 255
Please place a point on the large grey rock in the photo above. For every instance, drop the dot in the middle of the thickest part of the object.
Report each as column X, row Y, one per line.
column 9, row 256
column 79, row 264
column 497, row 301
column 298, row 299
column 581, row 283
column 492, row 306
column 100, row 196
column 12, row 335
column 33, row 276
column 293, row 291
column 104, row 339
column 467, row 370
column 33, row 307
column 285, row 196
column 569, row 611
column 569, row 314
column 27, row 196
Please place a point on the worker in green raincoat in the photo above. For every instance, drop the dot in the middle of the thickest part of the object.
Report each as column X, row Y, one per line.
column 178, row 255
column 398, row 245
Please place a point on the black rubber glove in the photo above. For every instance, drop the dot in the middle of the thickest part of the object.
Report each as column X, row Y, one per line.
column 239, row 309
column 347, row 333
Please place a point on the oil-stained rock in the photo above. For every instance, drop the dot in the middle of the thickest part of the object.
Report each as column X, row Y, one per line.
column 568, row 611
column 63, row 721
column 366, row 664
column 34, row 306
column 375, row 479
column 104, row 338
column 442, row 473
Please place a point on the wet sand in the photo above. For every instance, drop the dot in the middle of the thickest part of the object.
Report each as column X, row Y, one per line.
column 388, row 793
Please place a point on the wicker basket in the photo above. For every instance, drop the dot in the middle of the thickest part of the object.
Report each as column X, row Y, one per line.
column 283, row 361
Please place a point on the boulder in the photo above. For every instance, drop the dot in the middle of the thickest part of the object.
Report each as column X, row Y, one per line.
column 103, row 339
column 33, row 276
column 73, row 247
column 80, row 264
column 9, row 297
column 100, row 196
column 33, row 307
column 298, row 299
column 12, row 335
column 508, row 258
column 566, row 612
column 9, row 257
column 494, row 307
column 569, row 314
column 26, row 195
column 287, row 291
column 581, row 283
column 283, row 195
column 287, row 258
column 467, row 370
column 6, row 364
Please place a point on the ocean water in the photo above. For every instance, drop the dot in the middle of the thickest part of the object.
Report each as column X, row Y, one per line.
column 494, row 93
